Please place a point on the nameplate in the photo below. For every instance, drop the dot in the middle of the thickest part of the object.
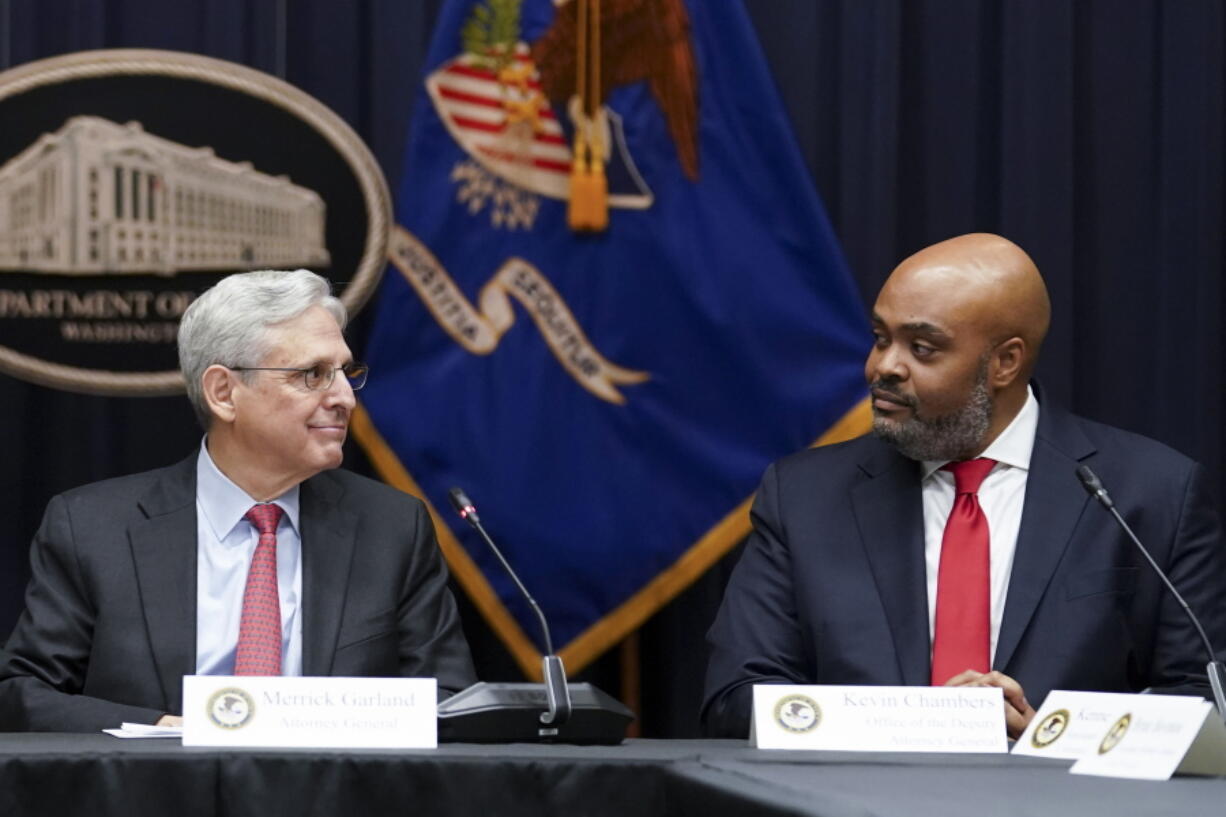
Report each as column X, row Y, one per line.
column 1070, row 725
column 351, row 713
column 1151, row 737
column 878, row 719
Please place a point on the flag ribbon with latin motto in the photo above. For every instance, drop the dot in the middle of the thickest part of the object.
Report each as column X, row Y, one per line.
column 608, row 397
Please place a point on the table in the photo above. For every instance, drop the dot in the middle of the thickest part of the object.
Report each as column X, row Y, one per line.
column 46, row 774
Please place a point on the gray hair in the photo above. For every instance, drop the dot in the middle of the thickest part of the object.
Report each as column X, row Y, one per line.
column 228, row 324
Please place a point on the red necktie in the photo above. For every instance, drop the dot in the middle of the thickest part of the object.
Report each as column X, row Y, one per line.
column 259, row 629
column 961, row 636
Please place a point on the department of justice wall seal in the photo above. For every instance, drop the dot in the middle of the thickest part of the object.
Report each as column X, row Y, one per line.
column 132, row 180
column 230, row 708
column 798, row 713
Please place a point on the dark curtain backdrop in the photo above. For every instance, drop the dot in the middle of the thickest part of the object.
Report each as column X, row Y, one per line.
column 1089, row 132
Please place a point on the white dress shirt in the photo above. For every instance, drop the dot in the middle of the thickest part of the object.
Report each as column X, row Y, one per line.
column 225, row 542
column 1001, row 497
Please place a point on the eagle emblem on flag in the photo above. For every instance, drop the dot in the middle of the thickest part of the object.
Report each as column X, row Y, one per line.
column 514, row 107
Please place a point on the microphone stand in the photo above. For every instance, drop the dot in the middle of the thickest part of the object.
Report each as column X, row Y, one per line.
column 557, row 690
column 1214, row 669
column 556, row 710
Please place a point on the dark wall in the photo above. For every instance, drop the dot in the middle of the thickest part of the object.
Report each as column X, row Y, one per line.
column 1090, row 132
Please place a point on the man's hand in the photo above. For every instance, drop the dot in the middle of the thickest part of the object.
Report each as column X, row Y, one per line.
column 172, row 720
column 1018, row 711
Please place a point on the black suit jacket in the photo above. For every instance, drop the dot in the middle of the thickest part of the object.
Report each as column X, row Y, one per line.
column 831, row 588
column 109, row 628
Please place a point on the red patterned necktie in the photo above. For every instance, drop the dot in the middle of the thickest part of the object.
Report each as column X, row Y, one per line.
column 259, row 630
column 961, row 636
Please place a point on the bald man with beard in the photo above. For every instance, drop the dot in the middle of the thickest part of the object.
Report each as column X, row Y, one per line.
column 882, row 561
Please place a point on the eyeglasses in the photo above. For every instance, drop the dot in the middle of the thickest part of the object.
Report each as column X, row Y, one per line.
column 320, row 376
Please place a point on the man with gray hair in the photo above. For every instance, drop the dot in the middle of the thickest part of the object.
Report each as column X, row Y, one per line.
column 250, row 557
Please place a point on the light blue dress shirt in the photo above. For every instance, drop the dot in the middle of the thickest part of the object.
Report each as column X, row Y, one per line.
column 225, row 542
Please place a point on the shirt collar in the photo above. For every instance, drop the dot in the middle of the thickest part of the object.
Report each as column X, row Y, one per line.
column 223, row 504
column 1014, row 445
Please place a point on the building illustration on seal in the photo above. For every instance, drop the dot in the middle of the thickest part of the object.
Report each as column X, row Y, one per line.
column 99, row 197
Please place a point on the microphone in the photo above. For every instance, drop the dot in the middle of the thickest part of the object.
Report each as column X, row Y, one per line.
column 492, row 712
column 551, row 664
column 1214, row 669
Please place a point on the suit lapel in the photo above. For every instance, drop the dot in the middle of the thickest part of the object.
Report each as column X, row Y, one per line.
column 890, row 514
column 328, row 538
column 1054, row 503
column 164, row 553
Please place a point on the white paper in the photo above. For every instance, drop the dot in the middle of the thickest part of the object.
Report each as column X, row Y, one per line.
column 145, row 730
column 879, row 719
column 1070, row 725
column 268, row 711
column 1151, row 738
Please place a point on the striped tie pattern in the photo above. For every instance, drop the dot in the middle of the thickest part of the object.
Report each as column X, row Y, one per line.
column 259, row 629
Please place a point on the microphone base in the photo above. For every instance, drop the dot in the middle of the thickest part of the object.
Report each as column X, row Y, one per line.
column 1217, row 681
column 511, row 713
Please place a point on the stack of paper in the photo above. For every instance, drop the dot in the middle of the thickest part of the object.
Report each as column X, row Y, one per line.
column 144, row 730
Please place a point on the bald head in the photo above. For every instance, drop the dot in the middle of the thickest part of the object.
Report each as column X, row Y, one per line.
column 957, row 330
column 986, row 281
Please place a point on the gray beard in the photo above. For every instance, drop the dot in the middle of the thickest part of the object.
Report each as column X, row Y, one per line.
column 955, row 436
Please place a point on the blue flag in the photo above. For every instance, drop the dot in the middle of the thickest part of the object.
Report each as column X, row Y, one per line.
column 608, row 399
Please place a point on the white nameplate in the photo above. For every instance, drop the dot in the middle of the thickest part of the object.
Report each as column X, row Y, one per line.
column 1152, row 737
column 270, row 711
column 1070, row 725
column 878, row 719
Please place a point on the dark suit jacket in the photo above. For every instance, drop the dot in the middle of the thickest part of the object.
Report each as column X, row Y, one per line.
column 109, row 628
column 831, row 588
